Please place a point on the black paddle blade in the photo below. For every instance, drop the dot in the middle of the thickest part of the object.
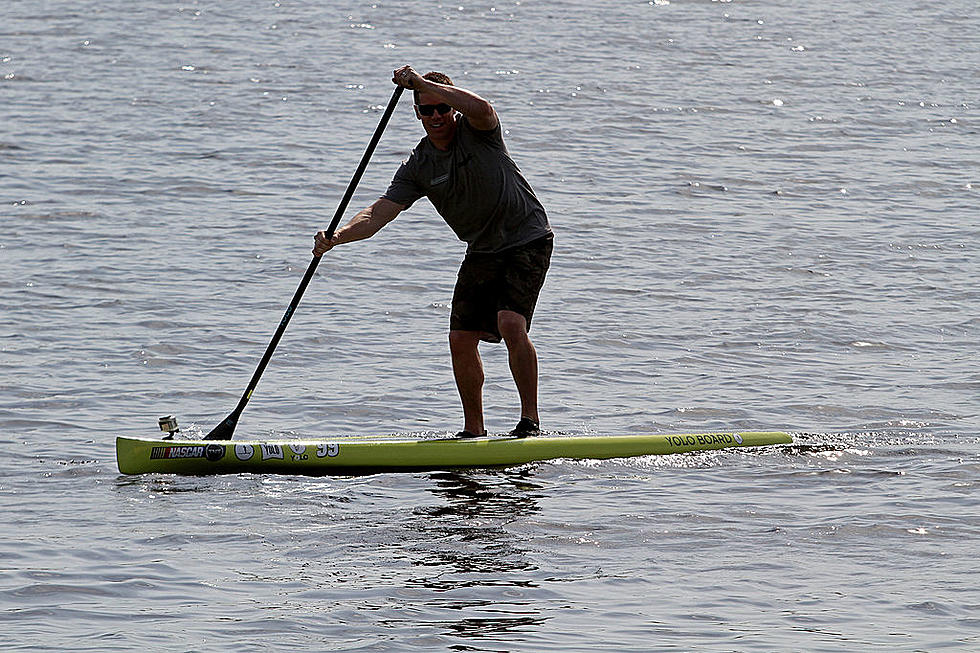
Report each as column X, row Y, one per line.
column 225, row 430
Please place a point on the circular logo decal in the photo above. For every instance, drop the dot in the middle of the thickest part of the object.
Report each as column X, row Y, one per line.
column 214, row 452
column 244, row 451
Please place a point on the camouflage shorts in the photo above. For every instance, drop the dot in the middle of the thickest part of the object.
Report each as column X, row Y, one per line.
column 503, row 281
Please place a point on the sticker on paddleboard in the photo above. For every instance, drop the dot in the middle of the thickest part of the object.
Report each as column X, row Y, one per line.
column 214, row 452
column 327, row 449
column 174, row 452
column 272, row 452
column 244, row 451
column 738, row 437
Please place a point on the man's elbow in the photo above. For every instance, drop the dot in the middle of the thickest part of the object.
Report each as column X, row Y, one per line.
column 384, row 211
column 483, row 115
column 485, row 110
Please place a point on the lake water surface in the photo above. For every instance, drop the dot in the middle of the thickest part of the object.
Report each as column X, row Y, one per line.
column 766, row 219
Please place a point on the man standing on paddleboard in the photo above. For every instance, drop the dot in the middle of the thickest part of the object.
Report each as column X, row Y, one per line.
column 463, row 168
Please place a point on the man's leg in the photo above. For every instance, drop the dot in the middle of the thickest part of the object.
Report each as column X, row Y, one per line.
column 468, row 370
column 523, row 360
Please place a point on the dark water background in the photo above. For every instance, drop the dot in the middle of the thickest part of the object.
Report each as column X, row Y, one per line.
column 766, row 217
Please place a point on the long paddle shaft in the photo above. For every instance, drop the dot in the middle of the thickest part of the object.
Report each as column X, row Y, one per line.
column 226, row 429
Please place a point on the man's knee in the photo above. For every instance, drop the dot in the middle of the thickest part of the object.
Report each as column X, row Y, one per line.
column 512, row 326
column 463, row 340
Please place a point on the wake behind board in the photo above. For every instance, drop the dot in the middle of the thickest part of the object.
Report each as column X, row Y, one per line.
column 369, row 455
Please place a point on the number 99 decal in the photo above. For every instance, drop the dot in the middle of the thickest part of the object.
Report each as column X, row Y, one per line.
column 330, row 449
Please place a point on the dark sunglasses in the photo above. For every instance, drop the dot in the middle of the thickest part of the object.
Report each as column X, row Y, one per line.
column 429, row 109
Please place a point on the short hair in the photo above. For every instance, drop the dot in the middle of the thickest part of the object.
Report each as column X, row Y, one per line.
column 434, row 76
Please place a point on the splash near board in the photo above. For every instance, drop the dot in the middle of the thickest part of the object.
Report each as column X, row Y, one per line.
column 369, row 455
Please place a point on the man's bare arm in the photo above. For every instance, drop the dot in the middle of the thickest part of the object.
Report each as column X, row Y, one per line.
column 478, row 111
column 363, row 225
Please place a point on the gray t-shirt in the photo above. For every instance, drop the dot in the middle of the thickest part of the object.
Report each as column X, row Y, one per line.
column 476, row 187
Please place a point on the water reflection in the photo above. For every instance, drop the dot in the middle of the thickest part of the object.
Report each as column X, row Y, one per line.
column 480, row 493
column 471, row 554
